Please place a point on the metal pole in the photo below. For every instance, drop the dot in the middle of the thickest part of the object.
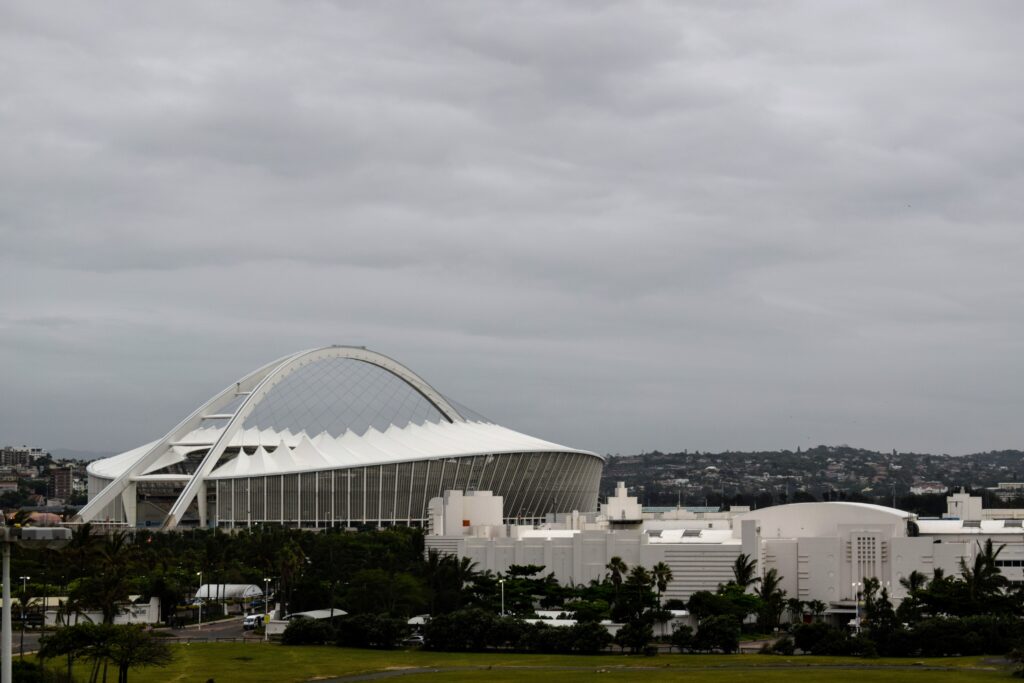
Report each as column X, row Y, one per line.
column 200, row 627
column 856, row 605
column 502, row 582
column 266, row 606
column 5, row 643
column 24, row 596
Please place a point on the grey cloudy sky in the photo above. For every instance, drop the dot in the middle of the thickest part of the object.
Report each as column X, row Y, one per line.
column 621, row 226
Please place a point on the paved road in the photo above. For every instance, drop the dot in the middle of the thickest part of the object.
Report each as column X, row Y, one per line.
column 214, row 630
column 228, row 629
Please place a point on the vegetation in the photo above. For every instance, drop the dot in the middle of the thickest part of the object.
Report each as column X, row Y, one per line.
column 103, row 645
column 258, row 663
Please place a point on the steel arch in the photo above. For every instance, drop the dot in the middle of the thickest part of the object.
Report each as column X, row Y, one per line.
column 255, row 388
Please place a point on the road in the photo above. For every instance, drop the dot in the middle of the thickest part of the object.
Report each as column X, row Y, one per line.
column 226, row 629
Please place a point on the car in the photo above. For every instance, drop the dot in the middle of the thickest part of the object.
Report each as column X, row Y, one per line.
column 413, row 641
column 252, row 621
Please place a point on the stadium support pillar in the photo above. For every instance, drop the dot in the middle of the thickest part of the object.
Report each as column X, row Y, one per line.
column 201, row 503
column 130, row 501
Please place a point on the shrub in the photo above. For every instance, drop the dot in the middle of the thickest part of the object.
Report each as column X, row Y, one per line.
column 307, row 632
column 371, row 630
column 588, row 638
column 718, row 633
column 682, row 638
column 782, row 646
column 469, row 629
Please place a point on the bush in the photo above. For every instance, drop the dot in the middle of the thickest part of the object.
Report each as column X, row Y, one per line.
column 809, row 637
column 782, row 646
column 307, row 632
column 464, row 630
column 718, row 633
column 371, row 630
column 682, row 638
column 636, row 635
column 31, row 672
column 588, row 638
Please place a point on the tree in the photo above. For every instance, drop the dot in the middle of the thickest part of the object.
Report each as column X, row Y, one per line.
column 817, row 608
column 125, row 646
column 983, row 578
column 616, row 569
column 636, row 635
column 588, row 638
column 637, row 595
column 307, row 632
column 772, row 599
column 795, row 607
column 662, row 577
column 682, row 638
column 133, row 646
column 909, row 610
column 718, row 633
column 108, row 587
column 744, row 571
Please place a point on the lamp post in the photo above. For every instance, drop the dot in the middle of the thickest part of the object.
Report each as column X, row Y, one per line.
column 502, row 582
column 24, row 597
column 856, row 604
column 200, row 600
column 266, row 606
column 38, row 537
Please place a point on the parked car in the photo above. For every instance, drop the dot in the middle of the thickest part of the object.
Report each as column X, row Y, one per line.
column 413, row 641
column 252, row 621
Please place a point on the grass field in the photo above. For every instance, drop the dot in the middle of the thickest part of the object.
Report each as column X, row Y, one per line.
column 259, row 663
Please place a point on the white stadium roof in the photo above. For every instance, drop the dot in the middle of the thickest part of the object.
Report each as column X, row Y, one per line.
column 301, row 454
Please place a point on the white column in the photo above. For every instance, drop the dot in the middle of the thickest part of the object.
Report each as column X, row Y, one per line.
column 5, row 644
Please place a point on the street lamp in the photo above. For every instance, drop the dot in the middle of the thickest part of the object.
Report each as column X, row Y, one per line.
column 856, row 604
column 38, row 537
column 266, row 606
column 24, row 595
column 199, row 599
column 502, row 582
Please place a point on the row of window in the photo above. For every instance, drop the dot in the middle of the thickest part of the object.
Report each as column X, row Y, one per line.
column 532, row 485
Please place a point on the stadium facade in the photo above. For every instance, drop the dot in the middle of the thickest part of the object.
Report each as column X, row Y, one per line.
column 335, row 436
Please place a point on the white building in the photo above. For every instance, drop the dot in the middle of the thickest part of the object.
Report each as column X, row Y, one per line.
column 822, row 551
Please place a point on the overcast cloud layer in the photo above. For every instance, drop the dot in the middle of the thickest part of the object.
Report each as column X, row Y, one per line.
column 621, row 226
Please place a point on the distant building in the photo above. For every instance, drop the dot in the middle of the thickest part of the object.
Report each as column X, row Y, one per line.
column 822, row 551
column 61, row 481
column 1008, row 490
column 928, row 487
column 20, row 455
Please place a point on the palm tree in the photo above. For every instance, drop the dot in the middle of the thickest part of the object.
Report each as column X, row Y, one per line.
column 817, row 608
column 795, row 606
column 744, row 571
column 616, row 568
column 914, row 581
column 662, row 578
column 983, row 577
column 772, row 596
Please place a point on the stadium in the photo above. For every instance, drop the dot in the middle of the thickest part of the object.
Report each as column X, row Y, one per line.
column 335, row 436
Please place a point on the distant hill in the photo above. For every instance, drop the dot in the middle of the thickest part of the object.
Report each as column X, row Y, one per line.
column 72, row 454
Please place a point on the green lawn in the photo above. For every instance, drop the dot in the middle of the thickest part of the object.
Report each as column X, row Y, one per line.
column 256, row 663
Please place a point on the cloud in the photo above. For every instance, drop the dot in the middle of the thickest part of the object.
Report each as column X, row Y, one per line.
column 617, row 226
